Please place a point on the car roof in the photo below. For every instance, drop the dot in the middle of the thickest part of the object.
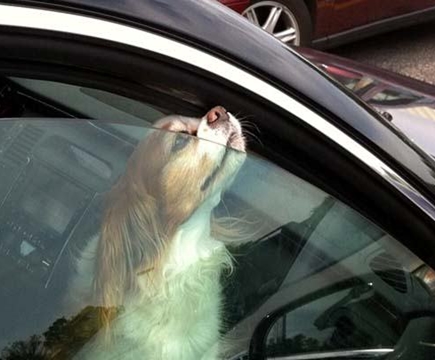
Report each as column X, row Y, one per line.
column 211, row 26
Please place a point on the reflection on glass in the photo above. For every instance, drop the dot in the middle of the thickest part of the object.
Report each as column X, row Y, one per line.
column 201, row 243
column 349, row 319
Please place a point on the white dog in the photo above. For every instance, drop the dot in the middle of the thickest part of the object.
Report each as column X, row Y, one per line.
column 154, row 268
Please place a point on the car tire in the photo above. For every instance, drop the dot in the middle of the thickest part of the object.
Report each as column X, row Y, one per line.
column 280, row 17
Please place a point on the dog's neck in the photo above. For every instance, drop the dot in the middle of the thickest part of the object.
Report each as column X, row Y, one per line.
column 193, row 240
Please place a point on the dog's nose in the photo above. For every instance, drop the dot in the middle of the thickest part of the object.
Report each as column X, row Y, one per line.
column 217, row 113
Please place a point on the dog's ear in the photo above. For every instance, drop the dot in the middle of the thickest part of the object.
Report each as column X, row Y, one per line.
column 131, row 242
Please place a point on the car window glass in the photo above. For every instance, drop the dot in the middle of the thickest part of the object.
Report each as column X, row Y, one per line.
column 328, row 325
column 356, row 82
column 397, row 97
column 373, row 91
column 285, row 247
column 83, row 101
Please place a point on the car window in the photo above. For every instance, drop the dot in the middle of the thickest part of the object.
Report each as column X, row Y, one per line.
column 373, row 91
column 337, row 281
column 21, row 97
column 395, row 97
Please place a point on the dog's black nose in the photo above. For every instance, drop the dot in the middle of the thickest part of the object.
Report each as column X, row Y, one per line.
column 217, row 113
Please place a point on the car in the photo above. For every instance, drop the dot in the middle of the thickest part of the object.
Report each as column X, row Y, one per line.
column 325, row 23
column 407, row 103
column 326, row 226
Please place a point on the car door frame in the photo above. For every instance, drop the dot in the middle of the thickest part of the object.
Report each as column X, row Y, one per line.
column 328, row 155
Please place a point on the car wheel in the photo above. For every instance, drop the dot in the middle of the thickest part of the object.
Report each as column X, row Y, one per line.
column 287, row 20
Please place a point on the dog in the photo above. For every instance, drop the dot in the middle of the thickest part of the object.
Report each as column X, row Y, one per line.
column 154, row 268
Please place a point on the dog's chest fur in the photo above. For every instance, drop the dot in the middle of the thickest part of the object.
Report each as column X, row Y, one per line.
column 178, row 316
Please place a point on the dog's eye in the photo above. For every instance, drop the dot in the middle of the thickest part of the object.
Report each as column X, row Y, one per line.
column 181, row 141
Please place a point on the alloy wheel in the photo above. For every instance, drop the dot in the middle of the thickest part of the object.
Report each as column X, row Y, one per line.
column 276, row 19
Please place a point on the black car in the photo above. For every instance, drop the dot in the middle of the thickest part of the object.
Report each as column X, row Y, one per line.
column 332, row 212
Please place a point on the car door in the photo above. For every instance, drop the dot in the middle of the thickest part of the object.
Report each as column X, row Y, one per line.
column 315, row 233
column 353, row 14
column 347, row 15
column 388, row 9
column 423, row 5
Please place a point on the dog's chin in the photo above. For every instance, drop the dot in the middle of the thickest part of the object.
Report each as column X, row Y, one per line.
column 225, row 171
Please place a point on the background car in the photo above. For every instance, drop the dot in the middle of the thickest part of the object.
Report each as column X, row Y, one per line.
column 334, row 207
column 407, row 103
column 325, row 23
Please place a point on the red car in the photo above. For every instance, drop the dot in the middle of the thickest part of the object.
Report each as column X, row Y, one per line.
column 326, row 23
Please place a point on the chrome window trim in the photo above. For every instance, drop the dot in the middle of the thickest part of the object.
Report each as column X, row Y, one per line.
column 32, row 18
column 346, row 354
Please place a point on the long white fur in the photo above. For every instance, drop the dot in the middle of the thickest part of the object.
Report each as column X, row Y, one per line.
column 181, row 319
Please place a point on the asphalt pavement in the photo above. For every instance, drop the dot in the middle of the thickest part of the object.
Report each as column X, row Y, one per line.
column 409, row 51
